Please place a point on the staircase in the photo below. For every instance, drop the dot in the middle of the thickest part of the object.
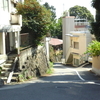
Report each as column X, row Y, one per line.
column 10, row 69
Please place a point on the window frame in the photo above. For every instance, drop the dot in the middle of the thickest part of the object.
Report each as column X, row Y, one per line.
column 76, row 46
column 4, row 5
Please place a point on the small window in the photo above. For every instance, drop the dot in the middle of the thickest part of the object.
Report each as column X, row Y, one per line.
column 4, row 5
column 76, row 45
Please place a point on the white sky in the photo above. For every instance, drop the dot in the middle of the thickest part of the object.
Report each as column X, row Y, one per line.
column 62, row 5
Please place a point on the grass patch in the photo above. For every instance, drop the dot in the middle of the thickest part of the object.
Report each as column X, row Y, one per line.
column 50, row 70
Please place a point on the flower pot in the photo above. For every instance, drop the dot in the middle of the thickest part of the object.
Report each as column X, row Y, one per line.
column 96, row 65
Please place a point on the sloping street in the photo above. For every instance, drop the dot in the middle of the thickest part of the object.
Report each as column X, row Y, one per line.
column 66, row 83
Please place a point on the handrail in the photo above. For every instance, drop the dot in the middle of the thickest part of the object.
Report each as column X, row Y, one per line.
column 2, row 62
column 11, row 73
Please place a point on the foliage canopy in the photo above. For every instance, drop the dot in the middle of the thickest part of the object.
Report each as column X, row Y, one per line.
column 94, row 48
column 36, row 20
column 96, row 4
column 81, row 12
column 52, row 10
column 52, row 27
column 96, row 24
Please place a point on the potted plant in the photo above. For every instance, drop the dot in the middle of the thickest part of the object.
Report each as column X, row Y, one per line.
column 93, row 50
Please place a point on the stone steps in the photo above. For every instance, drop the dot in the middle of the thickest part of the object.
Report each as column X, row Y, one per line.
column 16, row 74
column 9, row 61
column 7, row 65
column 7, row 69
column 4, row 79
column 15, row 77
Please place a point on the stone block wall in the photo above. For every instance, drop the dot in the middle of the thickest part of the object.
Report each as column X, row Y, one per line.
column 35, row 64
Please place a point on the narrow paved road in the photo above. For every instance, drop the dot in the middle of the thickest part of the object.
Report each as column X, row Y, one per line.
column 66, row 83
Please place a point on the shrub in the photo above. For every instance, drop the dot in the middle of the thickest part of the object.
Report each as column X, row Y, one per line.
column 49, row 71
column 93, row 48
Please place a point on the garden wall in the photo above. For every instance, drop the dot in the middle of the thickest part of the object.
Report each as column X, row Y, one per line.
column 33, row 62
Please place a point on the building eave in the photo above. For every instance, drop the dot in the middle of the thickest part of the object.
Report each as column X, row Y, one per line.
column 72, row 35
column 10, row 28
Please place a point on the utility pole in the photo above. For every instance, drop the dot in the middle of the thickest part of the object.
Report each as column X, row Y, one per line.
column 63, row 7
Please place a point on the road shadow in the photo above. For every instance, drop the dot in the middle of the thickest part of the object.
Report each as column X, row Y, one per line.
column 59, row 86
column 83, row 70
column 52, row 91
column 60, row 65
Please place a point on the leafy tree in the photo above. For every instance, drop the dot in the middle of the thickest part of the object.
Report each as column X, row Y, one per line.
column 56, row 25
column 36, row 20
column 96, row 25
column 53, row 19
column 81, row 12
column 59, row 28
column 52, row 10
column 56, row 29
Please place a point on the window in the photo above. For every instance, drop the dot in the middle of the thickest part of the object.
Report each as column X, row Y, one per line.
column 76, row 45
column 4, row 5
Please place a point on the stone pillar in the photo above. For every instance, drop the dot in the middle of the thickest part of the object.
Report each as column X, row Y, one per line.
column 17, row 41
column 47, row 47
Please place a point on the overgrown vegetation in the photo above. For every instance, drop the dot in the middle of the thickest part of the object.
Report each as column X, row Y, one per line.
column 93, row 48
column 50, row 70
column 52, row 54
column 36, row 20
column 56, row 25
column 55, row 55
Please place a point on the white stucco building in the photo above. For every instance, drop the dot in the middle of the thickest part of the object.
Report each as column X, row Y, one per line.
column 10, row 27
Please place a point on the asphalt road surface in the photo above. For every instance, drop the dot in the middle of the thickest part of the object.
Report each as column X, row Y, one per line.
column 66, row 83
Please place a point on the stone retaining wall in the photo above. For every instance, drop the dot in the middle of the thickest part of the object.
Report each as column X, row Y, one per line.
column 35, row 63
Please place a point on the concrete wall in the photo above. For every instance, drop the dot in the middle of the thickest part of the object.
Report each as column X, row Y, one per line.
column 0, row 43
column 68, row 25
column 96, row 65
column 4, row 18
